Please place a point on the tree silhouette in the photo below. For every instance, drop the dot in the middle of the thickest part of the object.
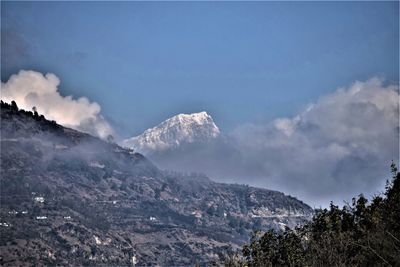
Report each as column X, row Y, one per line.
column 14, row 106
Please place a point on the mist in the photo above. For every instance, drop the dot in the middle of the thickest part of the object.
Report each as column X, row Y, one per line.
column 338, row 147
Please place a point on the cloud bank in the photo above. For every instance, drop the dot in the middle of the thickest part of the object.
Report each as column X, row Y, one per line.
column 33, row 89
column 338, row 147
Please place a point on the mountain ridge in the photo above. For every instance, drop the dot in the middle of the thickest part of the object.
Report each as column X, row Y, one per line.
column 72, row 199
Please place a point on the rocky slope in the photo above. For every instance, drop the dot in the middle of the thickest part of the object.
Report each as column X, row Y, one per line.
column 68, row 198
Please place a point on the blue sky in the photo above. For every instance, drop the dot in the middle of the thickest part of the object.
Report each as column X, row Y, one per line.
column 243, row 62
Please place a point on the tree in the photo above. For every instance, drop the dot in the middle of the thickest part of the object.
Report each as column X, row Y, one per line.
column 14, row 106
column 35, row 113
column 360, row 234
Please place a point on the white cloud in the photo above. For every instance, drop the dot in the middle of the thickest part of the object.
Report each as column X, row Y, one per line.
column 338, row 147
column 33, row 89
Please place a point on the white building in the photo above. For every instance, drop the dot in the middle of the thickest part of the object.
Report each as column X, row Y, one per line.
column 39, row 199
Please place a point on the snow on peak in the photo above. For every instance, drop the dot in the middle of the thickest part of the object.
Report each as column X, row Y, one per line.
column 179, row 129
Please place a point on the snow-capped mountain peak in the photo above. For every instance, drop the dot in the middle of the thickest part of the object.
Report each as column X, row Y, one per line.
column 177, row 130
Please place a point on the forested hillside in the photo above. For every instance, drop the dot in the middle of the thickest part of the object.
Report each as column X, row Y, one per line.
column 359, row 234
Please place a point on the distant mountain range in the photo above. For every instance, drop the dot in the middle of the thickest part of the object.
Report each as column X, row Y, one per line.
column 68, row 198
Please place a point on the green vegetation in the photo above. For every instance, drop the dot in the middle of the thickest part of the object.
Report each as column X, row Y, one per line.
column 359, row 234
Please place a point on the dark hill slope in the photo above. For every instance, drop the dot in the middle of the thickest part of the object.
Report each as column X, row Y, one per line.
column 69, row 198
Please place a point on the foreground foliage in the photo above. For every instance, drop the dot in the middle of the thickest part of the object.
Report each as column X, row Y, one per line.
column 359, row 234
